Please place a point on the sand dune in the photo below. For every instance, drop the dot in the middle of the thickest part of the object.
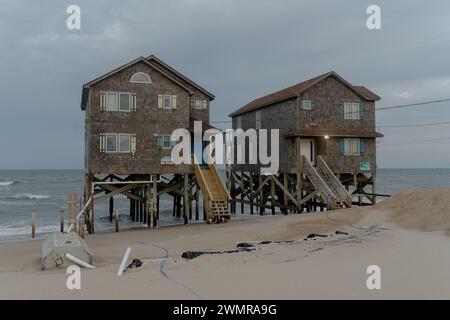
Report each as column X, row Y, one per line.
column 414, row 264
column 419, row 209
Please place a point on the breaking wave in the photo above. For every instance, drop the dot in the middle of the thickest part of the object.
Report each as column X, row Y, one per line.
column 6, row 183
column 30, row 196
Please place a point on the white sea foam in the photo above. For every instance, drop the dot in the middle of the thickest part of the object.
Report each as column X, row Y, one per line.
column 25, row 230
column 30, row 196
column 6, row 183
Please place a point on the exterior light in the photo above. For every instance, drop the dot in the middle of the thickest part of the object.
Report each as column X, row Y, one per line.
column 327, row 137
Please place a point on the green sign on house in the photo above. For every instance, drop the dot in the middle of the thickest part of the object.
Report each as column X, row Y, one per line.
column 364, row 166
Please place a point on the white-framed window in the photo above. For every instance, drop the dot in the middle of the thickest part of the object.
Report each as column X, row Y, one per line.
column 258, row 120
column 111, row 142
column 124, row 143
column 118, row 101
column 118, row 142
column 199, row 104
column 351, row 110
column 165, row 141
column 352, row 146
column 307, row 104
column 239, row 122
column 124, row 101
column 167, row 102
column 140, row 77
column 112, row 101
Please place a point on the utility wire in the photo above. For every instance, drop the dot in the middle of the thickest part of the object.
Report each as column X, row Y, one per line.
column 412, row 104
column 414, row 142
column 415, row 125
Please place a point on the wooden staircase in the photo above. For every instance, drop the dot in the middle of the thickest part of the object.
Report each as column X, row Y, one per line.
column 214, row 190
column 327, row 185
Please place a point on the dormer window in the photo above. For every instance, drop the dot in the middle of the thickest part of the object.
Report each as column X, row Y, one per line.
column 140, row 77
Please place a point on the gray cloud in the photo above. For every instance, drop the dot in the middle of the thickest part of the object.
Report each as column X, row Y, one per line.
column 239, row 50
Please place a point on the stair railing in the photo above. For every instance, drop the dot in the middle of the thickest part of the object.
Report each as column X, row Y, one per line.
column 319, row 184
column 224, row 191
column 335, row 183
column 201, row 177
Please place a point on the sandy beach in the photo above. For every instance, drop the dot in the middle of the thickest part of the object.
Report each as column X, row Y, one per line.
column 395, row 235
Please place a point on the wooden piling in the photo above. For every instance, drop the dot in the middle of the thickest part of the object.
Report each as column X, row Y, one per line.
column 132, row 214
column 61, row 220
column 155, row 201
column 261, row 196
column 141, row 205
column 69, row 209
column 250, row 193
column 89, row 193
column 75, row 212
column 190, row 200
column 178, row 206
column 186, row 199
column 33, row 225
column 233, row 194
column 272, row 194
column 197, row 209
column 146, row 206
column 111, row 208
column 285, row 196
column 116, row 217
column 243, row 192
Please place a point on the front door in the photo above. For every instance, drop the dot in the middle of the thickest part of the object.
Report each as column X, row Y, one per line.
column 307, row 149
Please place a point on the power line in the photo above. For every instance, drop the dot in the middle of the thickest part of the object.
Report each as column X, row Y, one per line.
column 413, row 104
column 414, row 142
column 416, row 125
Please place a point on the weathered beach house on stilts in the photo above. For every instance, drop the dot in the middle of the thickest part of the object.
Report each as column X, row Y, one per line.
column 130, row 115
column 327, row 148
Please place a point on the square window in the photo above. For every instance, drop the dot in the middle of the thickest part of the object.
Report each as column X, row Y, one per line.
column 167, row 144
column 124, row 102
column 111, row 101
column 307, row 104
column 167, row 102
column 111, row 142
column 351, row 111
column 124, row 143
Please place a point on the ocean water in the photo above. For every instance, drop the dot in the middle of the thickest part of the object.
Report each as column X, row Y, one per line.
column 45, row 192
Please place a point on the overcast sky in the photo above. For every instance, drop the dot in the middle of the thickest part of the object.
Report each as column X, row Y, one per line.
column 237, row 49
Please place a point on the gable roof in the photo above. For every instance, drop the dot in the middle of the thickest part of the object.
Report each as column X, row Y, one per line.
column 86, row 86
column 182, row 76
column 369, row 95
column 295, row 90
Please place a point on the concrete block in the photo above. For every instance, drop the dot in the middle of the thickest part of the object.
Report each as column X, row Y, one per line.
column 55, row 248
